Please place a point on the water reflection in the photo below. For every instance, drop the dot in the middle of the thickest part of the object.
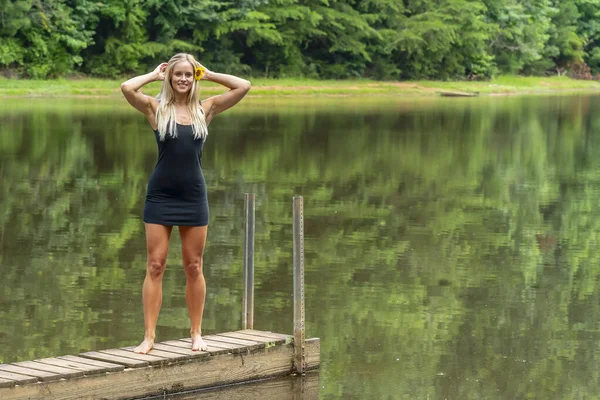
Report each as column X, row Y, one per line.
column 293, row 388
column 451, row 244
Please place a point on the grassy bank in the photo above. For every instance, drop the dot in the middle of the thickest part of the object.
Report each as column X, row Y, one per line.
column 306, row 87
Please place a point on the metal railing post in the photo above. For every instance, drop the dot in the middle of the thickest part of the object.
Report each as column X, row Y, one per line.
column 298, row 244
column 248, row 299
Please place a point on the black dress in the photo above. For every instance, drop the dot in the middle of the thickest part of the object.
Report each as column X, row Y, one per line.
column 177, row 191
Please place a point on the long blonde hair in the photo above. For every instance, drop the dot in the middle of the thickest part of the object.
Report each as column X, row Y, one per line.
column 165, row 113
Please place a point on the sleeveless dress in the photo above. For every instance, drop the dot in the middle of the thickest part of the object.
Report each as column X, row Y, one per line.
column 176, row 190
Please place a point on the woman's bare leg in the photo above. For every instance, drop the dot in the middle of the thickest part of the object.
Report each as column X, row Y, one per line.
column 193, row 239
column 157, row 242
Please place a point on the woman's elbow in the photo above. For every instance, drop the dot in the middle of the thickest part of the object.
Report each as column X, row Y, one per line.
column 247, row 85
column 125, row 87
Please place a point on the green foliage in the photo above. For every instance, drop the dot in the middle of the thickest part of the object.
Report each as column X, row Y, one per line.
column 11, row 52
column 444, row 41
column 522, row 31
column 45, row 38
column 382, row 39
column 589, row 28
column 14, row 16
column 565, row 45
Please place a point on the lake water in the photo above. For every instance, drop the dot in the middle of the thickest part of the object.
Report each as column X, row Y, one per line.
column 452, row 245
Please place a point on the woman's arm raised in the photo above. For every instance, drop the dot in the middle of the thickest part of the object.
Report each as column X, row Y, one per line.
column 131, row 90
column 217, row 104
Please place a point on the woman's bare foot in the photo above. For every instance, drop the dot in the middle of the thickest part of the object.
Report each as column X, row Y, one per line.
column 144, row 347
column 198, row 344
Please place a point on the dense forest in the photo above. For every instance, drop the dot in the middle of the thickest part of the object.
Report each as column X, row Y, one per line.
column 380, row 39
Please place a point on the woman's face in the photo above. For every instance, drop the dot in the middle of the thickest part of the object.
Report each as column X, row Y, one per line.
column 183, row 77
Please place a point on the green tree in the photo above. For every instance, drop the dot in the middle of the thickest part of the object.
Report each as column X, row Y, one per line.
column 440, row 40
column 523, row 32
column 45, row 38
column 589, row 28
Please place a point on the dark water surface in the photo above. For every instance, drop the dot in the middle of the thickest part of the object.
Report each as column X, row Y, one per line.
column 452, row 245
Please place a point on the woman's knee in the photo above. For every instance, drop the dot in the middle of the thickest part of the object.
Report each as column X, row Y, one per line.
column 156, row 267
column 193, row 268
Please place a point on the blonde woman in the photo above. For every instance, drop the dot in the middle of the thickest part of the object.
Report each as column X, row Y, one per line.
column 176, row 193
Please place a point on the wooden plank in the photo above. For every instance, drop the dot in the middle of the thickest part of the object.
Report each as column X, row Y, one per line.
column 128, row 362
column 212, row 350
column 85, row 369
column 44, row 376
column 269, row 342
column 63, row 372
column 231, row 347
column 268, row 334
column 175, row 349
column 132, row 355
column 6, row 383
column 146, row 382
column 178, row 343
column 169, row 357
column 208, row 340
column 313, row 353
column 235, row 335
column 94, row 363
column 230, row 339
column 152, row 360
column 250, row 345
column 181, row 350
column 19, row 379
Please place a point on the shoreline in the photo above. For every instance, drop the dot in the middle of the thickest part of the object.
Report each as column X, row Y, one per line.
column 501, row 86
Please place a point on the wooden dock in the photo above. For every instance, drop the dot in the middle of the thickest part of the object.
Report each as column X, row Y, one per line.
column 171, row 367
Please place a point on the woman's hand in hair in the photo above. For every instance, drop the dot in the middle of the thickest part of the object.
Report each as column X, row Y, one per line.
column 141, row 102
column 160, row 71
column 205, row 73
